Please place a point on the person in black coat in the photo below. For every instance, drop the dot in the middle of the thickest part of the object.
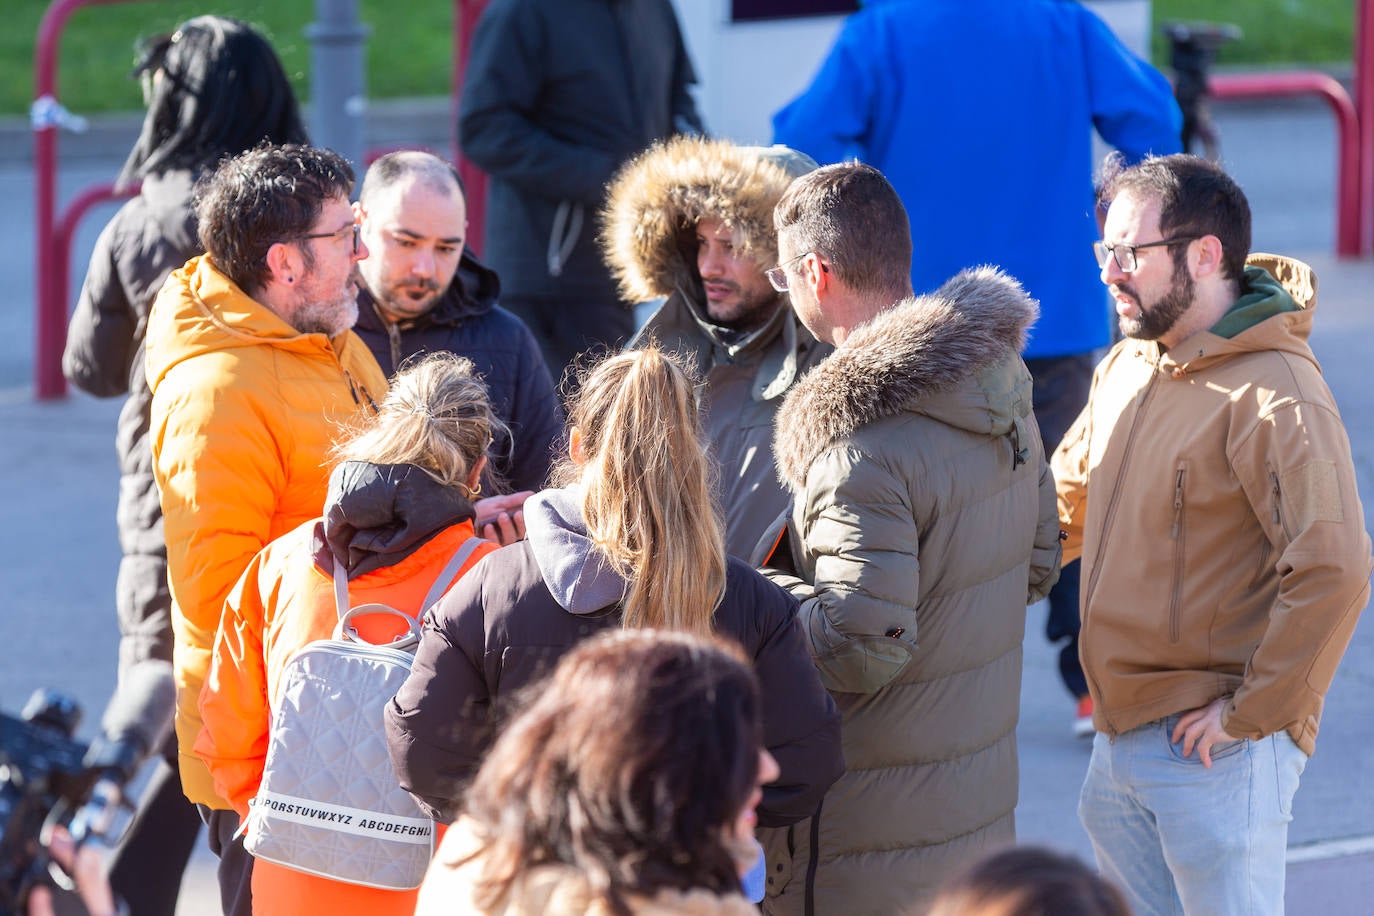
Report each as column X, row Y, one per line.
column 423, row 291
column 556, row 97
column 631, row 538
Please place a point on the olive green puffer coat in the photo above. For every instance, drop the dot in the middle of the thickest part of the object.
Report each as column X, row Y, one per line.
column 924, row 524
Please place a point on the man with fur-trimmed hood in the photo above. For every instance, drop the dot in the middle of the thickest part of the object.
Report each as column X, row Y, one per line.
column 925, row 521
column 692, row 220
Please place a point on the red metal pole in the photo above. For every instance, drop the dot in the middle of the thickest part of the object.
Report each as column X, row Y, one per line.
column 1364, row 104
column 465, row 16
column 50, row 317
column 1298, row 83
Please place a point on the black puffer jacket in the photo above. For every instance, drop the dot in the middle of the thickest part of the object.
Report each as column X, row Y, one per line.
column 467, row 321
column 150, row 236
column 504, row 626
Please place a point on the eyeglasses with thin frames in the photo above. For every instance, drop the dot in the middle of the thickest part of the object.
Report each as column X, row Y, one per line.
column 355, row 228
column 778, row 277
column 1125, row 254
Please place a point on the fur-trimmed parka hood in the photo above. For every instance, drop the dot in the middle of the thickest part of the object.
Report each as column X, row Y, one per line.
column 656, row 200
column 905, row 356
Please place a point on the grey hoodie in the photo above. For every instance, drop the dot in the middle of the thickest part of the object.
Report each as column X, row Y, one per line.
column 572, row 566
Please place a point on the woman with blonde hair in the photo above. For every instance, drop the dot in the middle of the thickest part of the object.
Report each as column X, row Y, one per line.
column 630, row 537
column 399, row 509
column 626, row 786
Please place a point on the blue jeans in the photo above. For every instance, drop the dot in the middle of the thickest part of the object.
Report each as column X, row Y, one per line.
column 1179, row 838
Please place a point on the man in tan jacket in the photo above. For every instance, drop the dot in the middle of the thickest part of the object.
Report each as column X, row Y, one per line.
column 1209, row 487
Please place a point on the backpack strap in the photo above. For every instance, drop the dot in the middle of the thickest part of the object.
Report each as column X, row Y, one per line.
column 436, row 591
column 340, row 587
column 450, row 570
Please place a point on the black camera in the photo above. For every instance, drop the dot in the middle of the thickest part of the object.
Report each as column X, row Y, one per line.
column 48, row 777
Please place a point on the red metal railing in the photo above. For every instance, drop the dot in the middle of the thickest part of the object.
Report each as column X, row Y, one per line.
column 1349, row 193
column 465, row 16
column 1364, row 107
column 51, row 240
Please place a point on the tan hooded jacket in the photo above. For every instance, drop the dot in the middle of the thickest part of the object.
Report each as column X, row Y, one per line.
column 649, row 239
column 1211, row 493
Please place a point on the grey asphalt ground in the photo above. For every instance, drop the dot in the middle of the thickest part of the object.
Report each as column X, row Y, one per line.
column 58, row 550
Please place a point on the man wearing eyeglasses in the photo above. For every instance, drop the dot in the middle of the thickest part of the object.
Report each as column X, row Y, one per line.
column 924, row 523
column 692, row 220
column 253, row 368
column 1209, row 488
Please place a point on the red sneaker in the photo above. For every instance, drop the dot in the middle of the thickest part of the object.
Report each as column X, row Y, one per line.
column 1083, row 719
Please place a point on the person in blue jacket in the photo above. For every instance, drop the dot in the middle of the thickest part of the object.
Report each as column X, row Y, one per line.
column 981, row 113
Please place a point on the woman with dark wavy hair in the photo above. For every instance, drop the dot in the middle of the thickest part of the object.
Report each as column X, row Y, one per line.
column 627, row 786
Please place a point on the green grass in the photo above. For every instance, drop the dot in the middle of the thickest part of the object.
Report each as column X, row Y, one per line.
column 410, row 50
column 1277, row 32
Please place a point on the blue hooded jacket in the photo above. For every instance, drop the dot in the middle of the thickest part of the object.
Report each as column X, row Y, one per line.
column 981, row 114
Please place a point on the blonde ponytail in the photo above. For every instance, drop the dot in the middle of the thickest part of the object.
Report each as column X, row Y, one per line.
column 436, row 416
column 648, row 489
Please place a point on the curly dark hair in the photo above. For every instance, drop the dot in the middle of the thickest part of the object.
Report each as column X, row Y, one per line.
column 267, row 195
column 1196, row 197
column 628, row 765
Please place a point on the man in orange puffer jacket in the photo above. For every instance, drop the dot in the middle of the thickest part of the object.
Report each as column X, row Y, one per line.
column 252, row 368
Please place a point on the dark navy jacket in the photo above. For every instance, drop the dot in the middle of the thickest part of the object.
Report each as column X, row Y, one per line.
column 467, row 321
column 556, row 97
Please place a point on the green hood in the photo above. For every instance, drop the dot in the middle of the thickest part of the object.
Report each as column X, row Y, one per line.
column 1262, row 297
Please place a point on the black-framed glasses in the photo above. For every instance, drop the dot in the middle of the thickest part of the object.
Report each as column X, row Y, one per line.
column 778, row 277
column 1125, row 254
column 355, row 228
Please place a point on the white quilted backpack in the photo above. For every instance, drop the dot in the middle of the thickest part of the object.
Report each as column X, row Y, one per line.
column 329, row 803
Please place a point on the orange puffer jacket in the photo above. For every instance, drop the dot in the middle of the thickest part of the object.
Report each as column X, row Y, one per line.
column 244, row 411
column 284, row 601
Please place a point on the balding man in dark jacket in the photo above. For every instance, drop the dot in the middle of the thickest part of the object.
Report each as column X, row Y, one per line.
column 423, row 292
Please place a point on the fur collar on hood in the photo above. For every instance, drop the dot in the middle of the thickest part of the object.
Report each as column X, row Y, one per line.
column 654, row 203
column 916, row 349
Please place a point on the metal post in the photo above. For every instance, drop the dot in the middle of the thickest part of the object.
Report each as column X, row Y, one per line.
column 1287, row 83
column 338, row 84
